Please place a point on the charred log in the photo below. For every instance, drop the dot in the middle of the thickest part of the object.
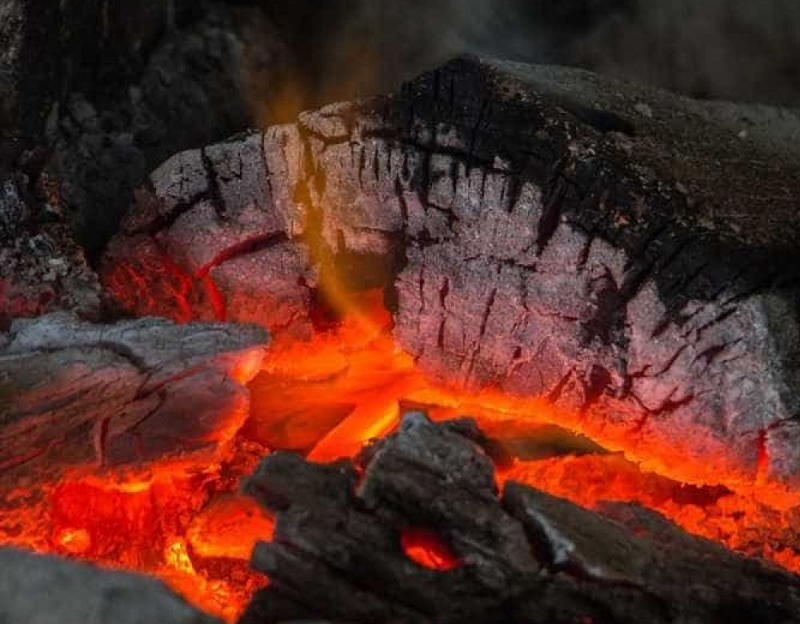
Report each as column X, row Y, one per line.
column 75, row 395
column 626, row 252
column 522, row 556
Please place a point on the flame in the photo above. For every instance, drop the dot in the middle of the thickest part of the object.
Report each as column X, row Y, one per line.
column 370, row 420
column 173, row 527
column 327, row 397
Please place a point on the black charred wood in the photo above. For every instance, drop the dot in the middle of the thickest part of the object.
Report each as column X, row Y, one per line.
column 524, row 556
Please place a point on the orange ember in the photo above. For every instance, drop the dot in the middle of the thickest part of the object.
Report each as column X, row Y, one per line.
column 428, row 550
column 327, row 397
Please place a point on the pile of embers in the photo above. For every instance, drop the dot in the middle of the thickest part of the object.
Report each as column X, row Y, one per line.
column 544, row 251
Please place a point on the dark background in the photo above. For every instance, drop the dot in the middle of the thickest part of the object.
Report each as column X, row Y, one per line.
column 746, row 50
column 732, row 49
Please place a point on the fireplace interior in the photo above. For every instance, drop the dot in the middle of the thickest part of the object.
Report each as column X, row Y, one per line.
column 514, row 343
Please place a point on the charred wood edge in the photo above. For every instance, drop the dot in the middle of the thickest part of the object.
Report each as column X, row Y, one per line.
column 525, row 556
column 153, row 215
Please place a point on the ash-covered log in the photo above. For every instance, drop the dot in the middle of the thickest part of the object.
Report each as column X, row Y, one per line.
column 83, row 396
column 340, row 552
column 626, row 252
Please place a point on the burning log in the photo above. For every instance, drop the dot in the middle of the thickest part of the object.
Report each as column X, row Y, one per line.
column 351, row 549
column 77, row 395
column 36, row 588
column 625, row 252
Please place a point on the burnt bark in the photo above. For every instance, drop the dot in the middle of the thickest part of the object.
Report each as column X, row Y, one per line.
column 626, row 252
column 79, row 396
column 523, row 556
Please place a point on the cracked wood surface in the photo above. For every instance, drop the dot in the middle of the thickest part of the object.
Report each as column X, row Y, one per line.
column 74, row 394
column 525, row 556
column 209, row 244
column 628, row 253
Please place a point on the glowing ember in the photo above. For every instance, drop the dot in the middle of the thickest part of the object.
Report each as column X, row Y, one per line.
column 428, row 550
column 229, row 528
column 327, row 397
column 74, row 541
